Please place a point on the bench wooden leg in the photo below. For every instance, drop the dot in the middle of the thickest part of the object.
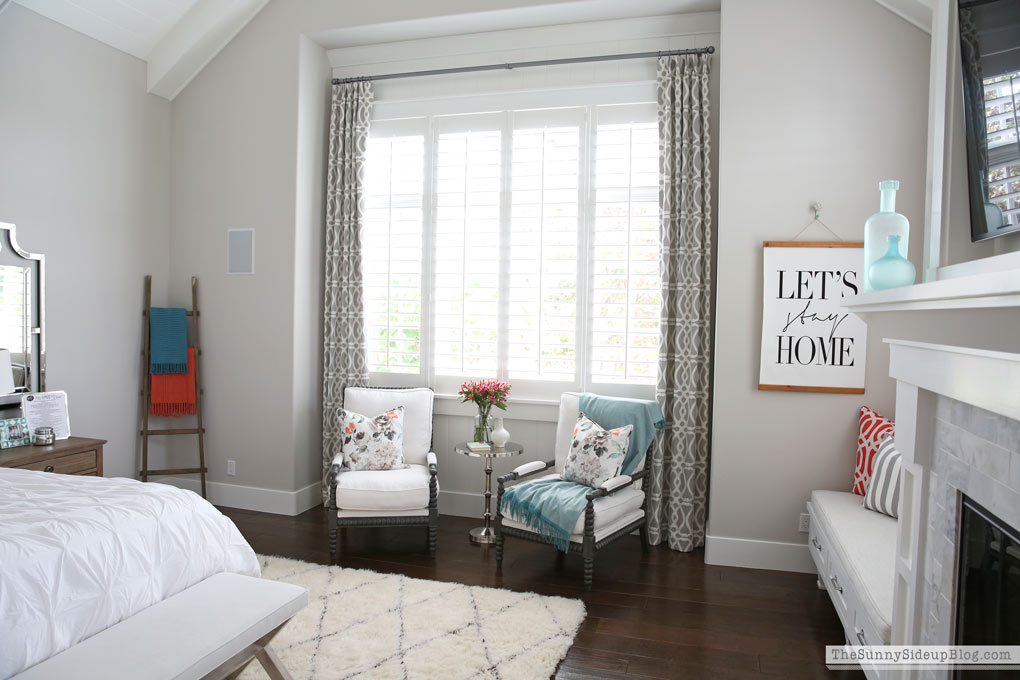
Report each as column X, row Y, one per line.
column 236, row 674
column 232, row 668
column 271, row 662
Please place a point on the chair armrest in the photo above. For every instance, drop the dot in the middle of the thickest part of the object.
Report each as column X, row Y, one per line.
column 611, row 485
column 533, row 469
column 331, row 477
column 614, row 484
column 533, row 466
column 432, row 462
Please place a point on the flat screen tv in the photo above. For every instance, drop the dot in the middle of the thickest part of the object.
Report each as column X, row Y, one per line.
column 990, row 60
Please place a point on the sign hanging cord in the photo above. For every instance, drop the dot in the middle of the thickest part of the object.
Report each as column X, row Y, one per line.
column 817, row 208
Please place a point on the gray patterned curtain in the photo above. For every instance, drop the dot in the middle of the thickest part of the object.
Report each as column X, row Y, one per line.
column 678, row 485
column 343, row 342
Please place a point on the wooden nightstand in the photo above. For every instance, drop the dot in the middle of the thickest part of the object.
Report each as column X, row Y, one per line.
column 71, row 456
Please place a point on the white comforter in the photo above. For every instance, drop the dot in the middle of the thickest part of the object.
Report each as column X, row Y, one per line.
column 79, row 554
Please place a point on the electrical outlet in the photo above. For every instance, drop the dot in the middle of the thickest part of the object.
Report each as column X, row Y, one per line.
column 232, row 470
column 805, row 523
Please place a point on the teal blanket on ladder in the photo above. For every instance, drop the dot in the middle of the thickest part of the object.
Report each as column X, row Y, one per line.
column 168, row 340
column 551, row 507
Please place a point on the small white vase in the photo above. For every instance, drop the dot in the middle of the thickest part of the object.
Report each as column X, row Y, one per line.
column 499, row 436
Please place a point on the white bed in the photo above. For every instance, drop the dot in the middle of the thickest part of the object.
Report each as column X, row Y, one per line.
column 79, row 554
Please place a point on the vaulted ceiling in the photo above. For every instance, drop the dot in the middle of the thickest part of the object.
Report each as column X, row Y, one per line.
column 177, row 38
column 132, row 26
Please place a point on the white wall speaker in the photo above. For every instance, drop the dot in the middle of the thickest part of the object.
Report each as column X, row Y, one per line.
column 240, row 251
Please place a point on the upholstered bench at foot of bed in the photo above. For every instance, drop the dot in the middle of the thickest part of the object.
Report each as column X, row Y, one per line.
column 210, row 630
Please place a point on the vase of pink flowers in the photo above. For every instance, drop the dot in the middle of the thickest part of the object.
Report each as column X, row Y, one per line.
column 485, row 394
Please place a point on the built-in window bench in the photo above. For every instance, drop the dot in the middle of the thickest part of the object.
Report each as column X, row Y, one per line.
column 854, row 550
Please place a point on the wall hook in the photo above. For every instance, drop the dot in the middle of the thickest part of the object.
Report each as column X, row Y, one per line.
column 817, row 208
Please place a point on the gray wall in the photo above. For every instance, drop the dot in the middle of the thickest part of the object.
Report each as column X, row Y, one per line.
column 85, row 175
column 241, row 134
column 827, row 102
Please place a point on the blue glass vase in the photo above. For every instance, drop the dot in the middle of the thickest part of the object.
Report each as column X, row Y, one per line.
column 883, row 224
column 892, row 270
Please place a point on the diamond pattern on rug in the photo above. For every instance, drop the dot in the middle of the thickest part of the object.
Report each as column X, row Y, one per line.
column 362, row 625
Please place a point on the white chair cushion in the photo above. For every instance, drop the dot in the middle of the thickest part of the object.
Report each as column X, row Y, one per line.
column 865, row 541
column 417, row 403
column 608, row 509
column 569, row 411
column 601, row 531
column 405, row 489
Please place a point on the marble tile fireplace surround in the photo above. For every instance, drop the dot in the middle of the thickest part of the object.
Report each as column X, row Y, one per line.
column 958, row 428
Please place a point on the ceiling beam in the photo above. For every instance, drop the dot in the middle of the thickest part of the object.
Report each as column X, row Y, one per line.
column 916, row 12
column 202, row 32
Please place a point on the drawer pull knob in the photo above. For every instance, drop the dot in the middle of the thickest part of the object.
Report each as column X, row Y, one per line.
column 48, row 468
column 818, row 546
column 860, row 636
column 835, row 584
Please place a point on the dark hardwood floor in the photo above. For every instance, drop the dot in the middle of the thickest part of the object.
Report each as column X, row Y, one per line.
column 659, row 615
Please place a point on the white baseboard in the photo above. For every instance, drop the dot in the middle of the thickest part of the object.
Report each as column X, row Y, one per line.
column 252, row 497
column 457, row 503
column 744, row 552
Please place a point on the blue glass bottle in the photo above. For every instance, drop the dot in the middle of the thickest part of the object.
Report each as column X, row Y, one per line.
column 880, row 226
column 892, row 270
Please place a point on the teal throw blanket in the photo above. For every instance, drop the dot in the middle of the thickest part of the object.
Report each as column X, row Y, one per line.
column 168, row 340
column 550, row 507
column 612, row 412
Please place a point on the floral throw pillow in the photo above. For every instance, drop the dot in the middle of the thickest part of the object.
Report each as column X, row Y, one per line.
column 373, row 443
column 595, row 454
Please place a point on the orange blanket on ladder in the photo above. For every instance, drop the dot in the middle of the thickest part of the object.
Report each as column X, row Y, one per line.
column 173, row 394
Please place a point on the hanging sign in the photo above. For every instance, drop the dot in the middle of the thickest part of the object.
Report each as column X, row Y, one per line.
column 809, row 343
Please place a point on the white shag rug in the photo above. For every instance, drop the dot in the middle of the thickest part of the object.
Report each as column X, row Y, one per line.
column 363, row 625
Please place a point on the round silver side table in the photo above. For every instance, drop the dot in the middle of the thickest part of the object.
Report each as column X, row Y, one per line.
column 485, row 534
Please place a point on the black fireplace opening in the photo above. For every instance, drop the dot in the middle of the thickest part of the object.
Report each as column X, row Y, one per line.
column 988, row 586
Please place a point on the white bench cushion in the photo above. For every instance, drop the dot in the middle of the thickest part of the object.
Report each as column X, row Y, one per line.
column 865, row 543
column 405, row 489
column 184, row 637
column 609, row 510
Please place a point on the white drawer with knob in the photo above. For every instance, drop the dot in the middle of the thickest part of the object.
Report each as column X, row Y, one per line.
column 818, row 545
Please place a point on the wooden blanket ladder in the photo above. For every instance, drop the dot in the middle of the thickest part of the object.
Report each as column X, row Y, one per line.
column 146, row 430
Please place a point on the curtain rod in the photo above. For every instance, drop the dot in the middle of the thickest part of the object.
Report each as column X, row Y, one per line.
column 524, row 64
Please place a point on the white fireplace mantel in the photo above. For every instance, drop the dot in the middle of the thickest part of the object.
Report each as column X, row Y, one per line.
column 986, row 379
column 924, row 372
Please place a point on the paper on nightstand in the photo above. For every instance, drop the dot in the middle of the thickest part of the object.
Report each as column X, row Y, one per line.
column 47, row 409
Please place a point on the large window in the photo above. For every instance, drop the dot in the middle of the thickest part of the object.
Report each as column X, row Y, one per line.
column 514, row 244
